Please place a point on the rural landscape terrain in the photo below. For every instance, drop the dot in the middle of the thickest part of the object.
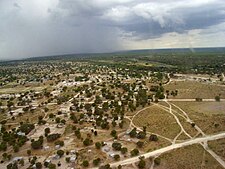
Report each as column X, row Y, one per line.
column 153, row 109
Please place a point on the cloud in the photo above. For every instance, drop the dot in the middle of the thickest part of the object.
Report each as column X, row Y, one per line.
column 37, row 27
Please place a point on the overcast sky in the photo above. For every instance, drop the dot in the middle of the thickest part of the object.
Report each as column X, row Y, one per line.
column 47, row 27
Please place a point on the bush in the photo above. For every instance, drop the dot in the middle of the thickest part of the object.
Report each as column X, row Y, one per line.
column 87, row 142
column 153, row 137
column 133, row 133
column 85, row 163
column 36, row 144
column 96, row 161
column 51, row 166
column 123, row 150
column 26, row 128
column 198, row 99
column 98, row 145
column 16, row 148
column 141, row 135
column 116, row 157
column 113, row 133
column 58, row 142
column 141, row 164
column 67, row 159
column 157, row 161
column 38, row 165
column 53, row 137
column 107, row 166
column 140, row 144
column 217, row 98
column 28, row 152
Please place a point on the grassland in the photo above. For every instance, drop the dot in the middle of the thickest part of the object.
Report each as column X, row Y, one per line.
column 191, row 157
column 209, row 116
column 194, row 89
column 218, row 146
column 158, row 121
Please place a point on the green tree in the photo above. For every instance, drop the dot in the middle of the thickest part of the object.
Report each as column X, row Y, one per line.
column 153, row 137
column 113, row 133
column 116, row 146
column 28, row 152
column 141, row 163
column 157, row 161
column 134, row 152
column 140, row 144
column 98, row 145
column 60, row 153
column 96, row 161
column 51, row 166
column 116, row 157
column 38, row 165
column 123, row 150
column 217, row 98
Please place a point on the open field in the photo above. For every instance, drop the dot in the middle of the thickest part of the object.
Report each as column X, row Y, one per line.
column 201, row 113
column 194, row 89
column 218, row 146
column 21, row 89
column 186, row 125
column 191, row 157
column 157, row 121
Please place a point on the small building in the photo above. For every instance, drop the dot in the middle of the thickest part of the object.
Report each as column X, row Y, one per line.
column 21, row 133
column 60, row 125
column 73, row 159
column 17, row 159
column 111, row 155
column 57, row 147
column 46, row 148
column 106, row 149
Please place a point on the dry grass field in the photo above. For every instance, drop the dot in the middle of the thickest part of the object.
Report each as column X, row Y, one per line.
column 191, row 157
column 187, row 126
column 154, row 145
column 158, row 121
column 209, row 120
column 193, row 89
column 21, row 89
column 218, row 146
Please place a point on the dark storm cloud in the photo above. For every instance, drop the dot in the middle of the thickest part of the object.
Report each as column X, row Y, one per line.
column 180, row 18
column 37, row 27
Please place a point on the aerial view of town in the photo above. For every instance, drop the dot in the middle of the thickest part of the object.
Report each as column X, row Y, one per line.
column 125, row 111
column 112, row 84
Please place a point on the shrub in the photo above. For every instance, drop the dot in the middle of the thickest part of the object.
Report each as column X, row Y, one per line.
column 153, row 137
column 85, row 163
column 53, row 137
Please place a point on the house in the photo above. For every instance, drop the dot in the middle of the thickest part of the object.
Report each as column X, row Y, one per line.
column 57, row 147
column 106, row 149
column 21, row 133
column 17, row 159
column 46, row 148
column 73, row 158
column 111, row 155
